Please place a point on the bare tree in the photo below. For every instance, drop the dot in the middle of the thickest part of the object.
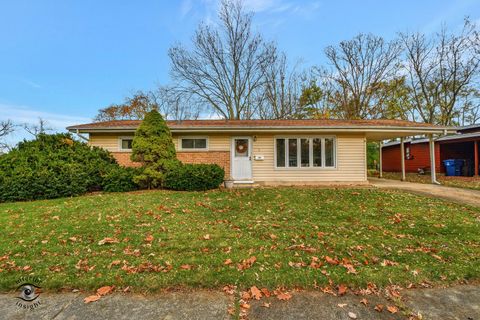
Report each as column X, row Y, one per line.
column 281, row 90
column 225, row 69
column 441, row 70
column 358, row 65
column 6, row 127
column 177, row 104
column 35, row 129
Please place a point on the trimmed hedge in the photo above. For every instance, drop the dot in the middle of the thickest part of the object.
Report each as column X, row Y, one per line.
column 194, row 177
column 120, row 179
column 53, row 166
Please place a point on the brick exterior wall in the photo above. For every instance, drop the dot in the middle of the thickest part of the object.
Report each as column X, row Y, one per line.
column 123, row 159
column 222, row 158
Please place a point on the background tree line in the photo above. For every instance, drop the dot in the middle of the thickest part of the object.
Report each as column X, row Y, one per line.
column 232, row 72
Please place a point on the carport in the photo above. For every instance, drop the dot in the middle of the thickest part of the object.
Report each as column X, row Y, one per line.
column 433, row 134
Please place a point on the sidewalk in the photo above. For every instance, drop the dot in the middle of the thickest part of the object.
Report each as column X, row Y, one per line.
column 461, row 302
column 463, row 196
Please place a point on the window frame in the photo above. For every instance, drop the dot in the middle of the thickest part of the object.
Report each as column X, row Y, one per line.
column 180, row 147
column 310, row 138
column 120, row 144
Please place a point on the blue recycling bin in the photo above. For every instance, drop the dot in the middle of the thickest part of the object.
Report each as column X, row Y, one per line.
column 453, row 167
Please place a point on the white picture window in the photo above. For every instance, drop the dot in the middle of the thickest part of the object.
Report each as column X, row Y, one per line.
column 194, row 143
column 305, row 152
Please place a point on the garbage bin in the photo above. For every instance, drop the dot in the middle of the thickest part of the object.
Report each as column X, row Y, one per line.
column 449, row 167
column 459, row 166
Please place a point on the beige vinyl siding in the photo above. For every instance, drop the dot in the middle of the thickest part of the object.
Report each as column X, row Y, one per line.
column 216, row 142
column 350, row 162
column 109, row 141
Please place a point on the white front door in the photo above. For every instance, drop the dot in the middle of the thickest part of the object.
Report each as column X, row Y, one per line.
column 241, row 151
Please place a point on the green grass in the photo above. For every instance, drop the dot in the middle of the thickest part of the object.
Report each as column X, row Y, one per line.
column 457, row 182
column 438, row 240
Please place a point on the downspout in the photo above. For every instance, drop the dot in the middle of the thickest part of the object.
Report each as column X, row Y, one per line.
column 81, row 136
column 433, row 170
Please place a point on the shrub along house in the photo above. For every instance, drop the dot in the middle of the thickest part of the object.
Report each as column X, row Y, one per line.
column 267, row 152
column 463, row 145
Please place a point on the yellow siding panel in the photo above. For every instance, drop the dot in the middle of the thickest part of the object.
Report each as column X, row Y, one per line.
column 107, row 141
column 351, row 162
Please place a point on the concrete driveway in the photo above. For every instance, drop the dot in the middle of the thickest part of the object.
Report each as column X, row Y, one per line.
column 461, row 302
column 463, row 196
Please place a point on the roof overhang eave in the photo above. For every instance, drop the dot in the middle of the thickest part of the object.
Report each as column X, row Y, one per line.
column 353, row 129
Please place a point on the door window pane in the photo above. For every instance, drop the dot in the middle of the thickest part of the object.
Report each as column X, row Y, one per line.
column 305, row 152
column 241, row 147
column 292, row 153
column 329, row 152
column 317, row 152
column 281, row 153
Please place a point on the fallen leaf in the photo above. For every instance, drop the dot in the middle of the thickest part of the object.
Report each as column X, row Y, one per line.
column 266, row 305
column 206, row 237
column 265, row 292
column 247, row 263
column 379, row 307
column 231, row 310
column 256, row 293
column 107, row 241
column 104, row 290
column 245, row 306
column 114, row 263
column 342, row 305
column 342, row 289
column 392, row 309
column 331, row 261
column 149, row 238
column 229, row 289
column 186, row 267
column 228, row 262
column 364, row 301
column 91, row 298
column 352, row 315
column 246, row 295
column 284, row 296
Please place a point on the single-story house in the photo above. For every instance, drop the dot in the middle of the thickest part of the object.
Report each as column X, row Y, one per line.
column 267, row 152
column 463, row 145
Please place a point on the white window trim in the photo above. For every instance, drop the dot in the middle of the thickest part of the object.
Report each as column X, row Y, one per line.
column 193, row 149
column 120, row 143
column 311, row 137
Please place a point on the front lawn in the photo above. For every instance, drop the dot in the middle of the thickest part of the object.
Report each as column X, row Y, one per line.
column 292, row 237
column 457, row 182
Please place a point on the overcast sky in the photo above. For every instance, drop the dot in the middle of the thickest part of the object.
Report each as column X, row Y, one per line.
column 63, row 60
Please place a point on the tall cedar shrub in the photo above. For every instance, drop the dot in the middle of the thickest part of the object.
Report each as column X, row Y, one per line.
column 53, row 166
column 153, row 147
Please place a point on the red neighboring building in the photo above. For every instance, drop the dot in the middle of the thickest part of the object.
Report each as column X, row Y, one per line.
column 463, row 145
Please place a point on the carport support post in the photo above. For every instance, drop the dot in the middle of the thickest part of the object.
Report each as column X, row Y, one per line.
column 475, row 156
column 380, row 161
column 432, row 160
column 402, row 150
